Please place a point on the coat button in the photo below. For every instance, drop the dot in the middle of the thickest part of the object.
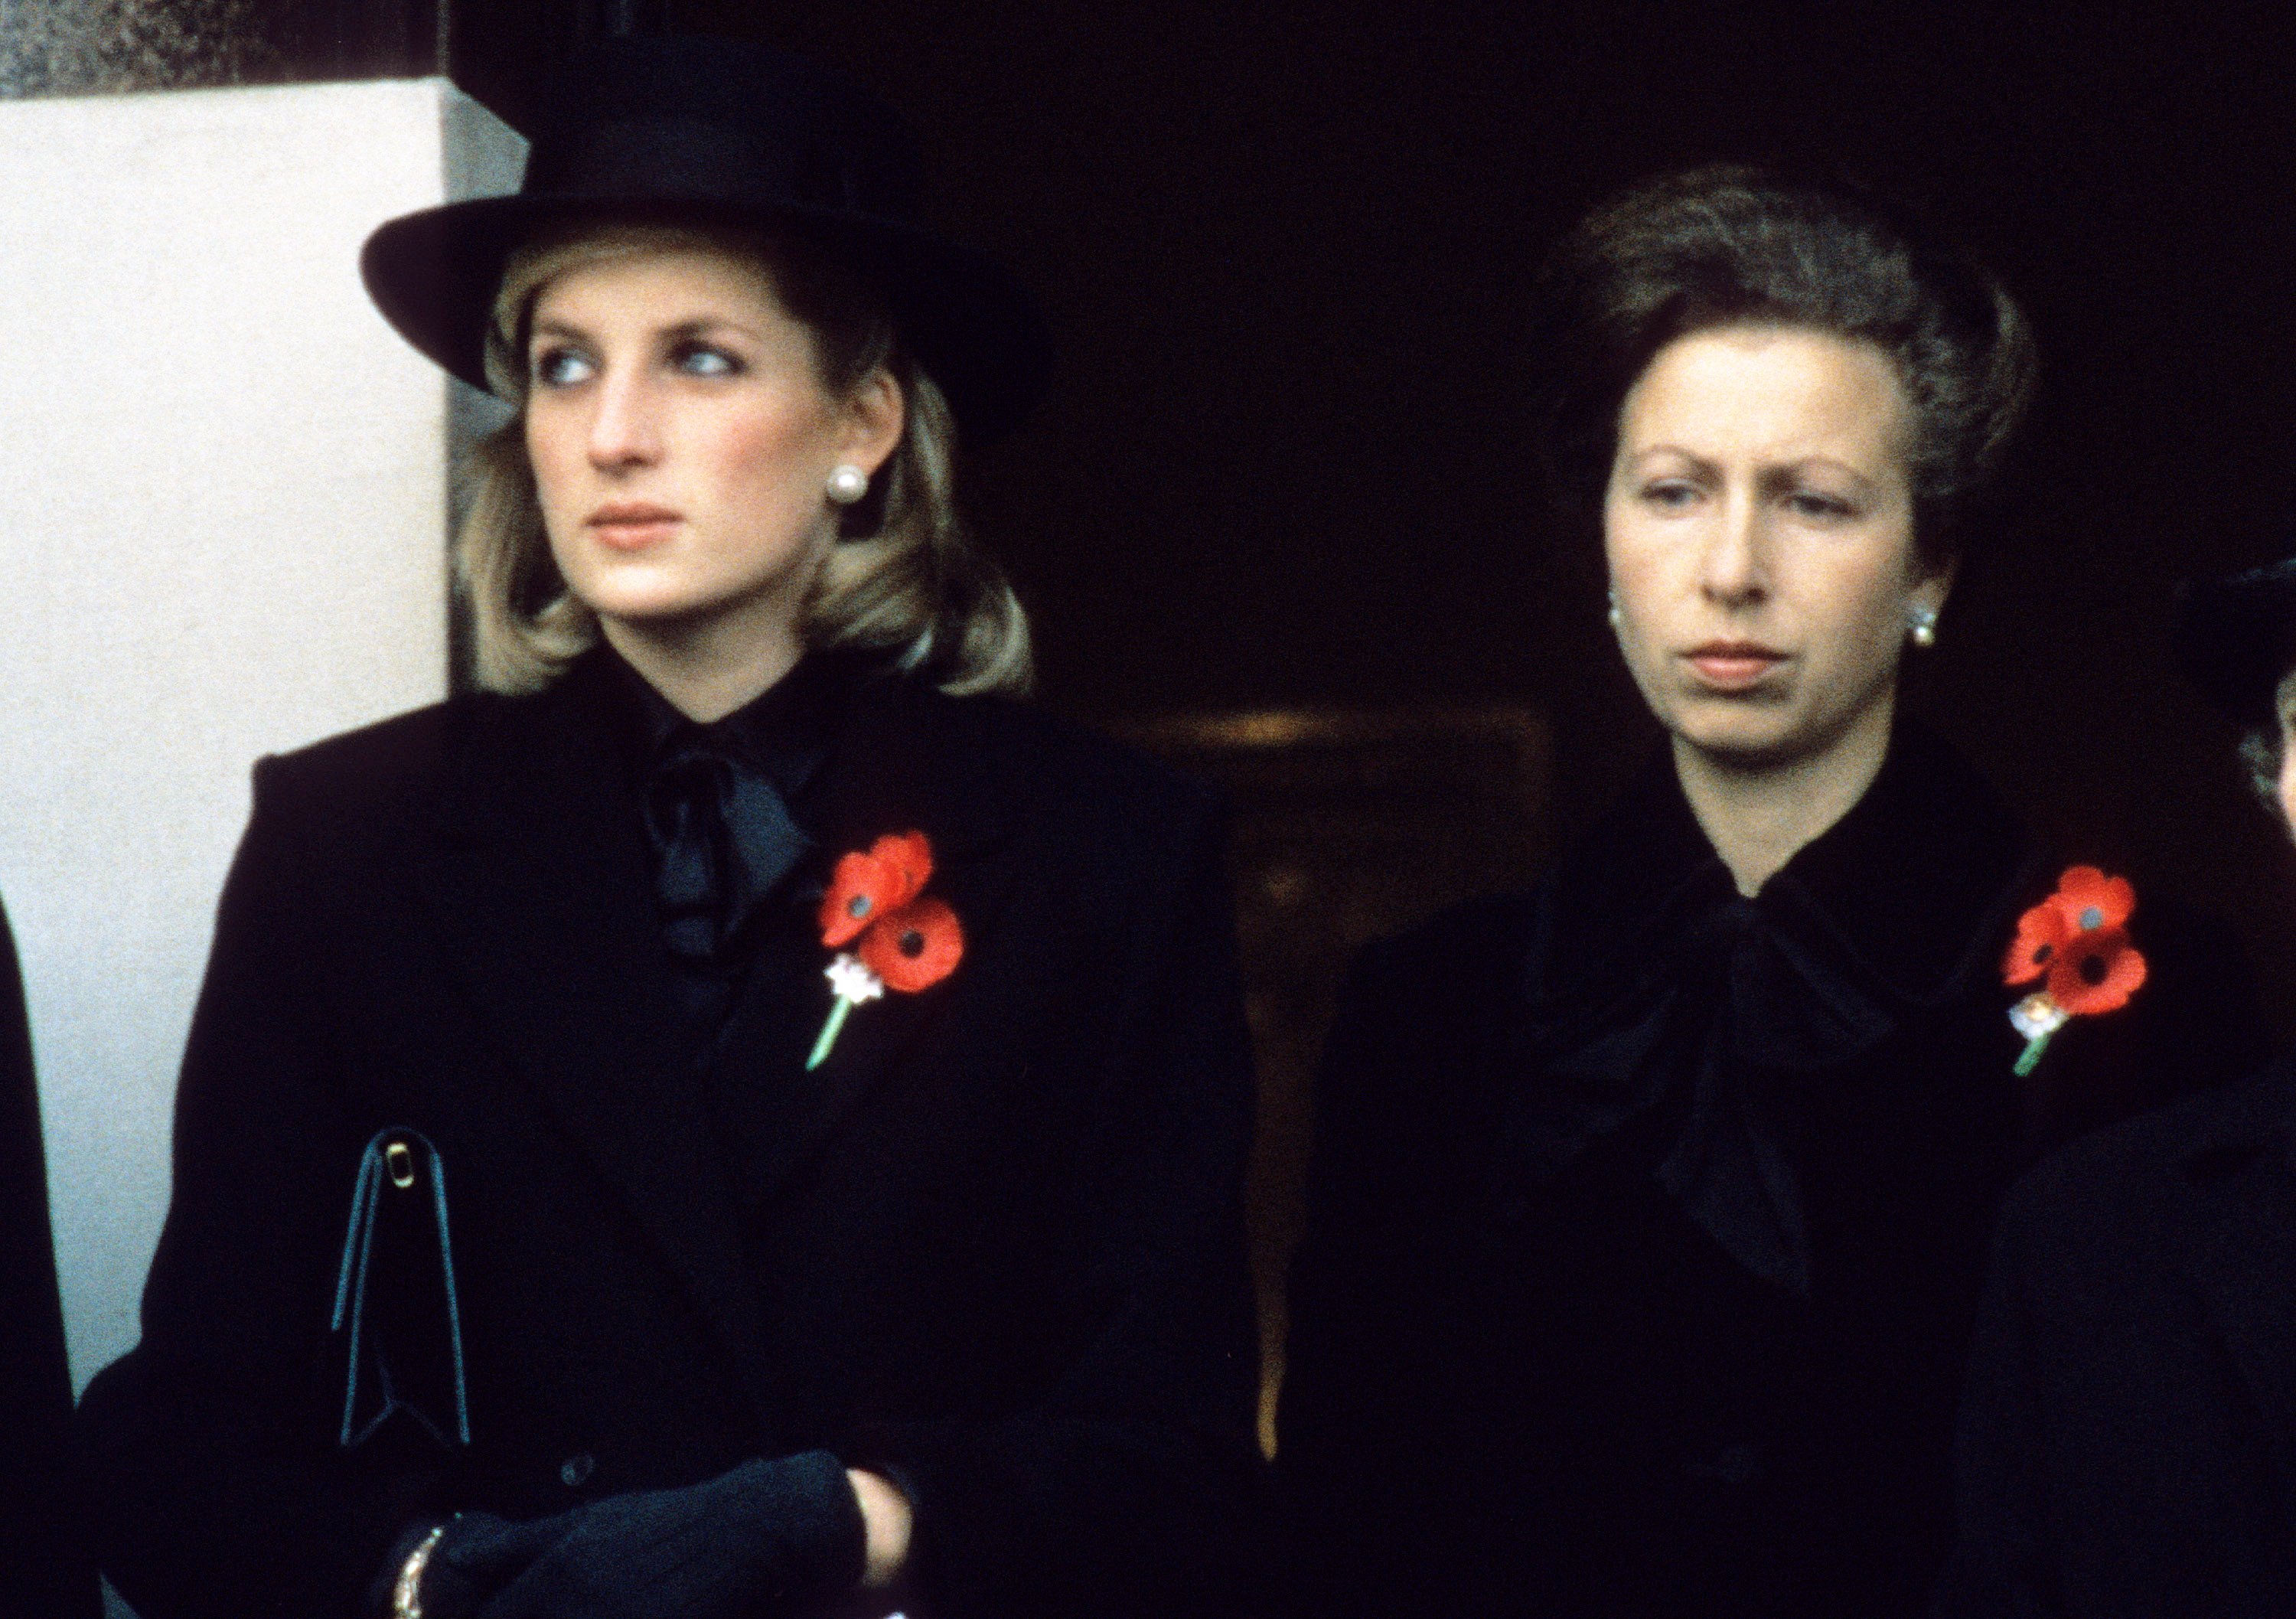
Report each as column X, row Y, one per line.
column 575, row 1471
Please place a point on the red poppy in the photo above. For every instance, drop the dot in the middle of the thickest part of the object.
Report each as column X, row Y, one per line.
column 2088, row 899
column 913, row 948
column 2096, row 972
column 907, row 943
column 2040, row 932
column 867, row 886
column 2079, row 937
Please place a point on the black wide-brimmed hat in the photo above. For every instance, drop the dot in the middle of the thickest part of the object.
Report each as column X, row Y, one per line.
column 724, row 132
column 2236, row 638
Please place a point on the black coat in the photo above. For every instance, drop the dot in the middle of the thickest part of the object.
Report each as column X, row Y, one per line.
column 1647, row 1221
column 992, row 1245
column 44, row 1574
column 2128, row 1442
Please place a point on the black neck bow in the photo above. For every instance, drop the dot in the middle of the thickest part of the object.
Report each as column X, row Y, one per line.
column 1664, row 993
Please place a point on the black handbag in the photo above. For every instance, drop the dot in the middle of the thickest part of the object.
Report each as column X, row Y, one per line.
column 396, row 1319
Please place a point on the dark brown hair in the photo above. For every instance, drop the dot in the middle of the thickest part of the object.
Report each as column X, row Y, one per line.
column 1735, row 246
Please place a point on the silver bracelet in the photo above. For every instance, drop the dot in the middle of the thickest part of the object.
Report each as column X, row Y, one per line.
column 407, row 1596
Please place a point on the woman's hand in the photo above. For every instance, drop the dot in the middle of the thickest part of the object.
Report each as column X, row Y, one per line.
column 768, row 1538
column 474, row 1556
column 885, row 1510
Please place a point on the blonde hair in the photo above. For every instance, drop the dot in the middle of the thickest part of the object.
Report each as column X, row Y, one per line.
column 905, row 576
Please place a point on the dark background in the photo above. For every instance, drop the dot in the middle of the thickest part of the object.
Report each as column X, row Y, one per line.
column 1286, row 249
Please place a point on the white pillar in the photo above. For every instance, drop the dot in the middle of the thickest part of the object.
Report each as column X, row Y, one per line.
column 223, row 496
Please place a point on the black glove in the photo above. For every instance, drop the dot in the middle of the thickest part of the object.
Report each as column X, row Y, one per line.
column 477, row 1555
column 768, row 1538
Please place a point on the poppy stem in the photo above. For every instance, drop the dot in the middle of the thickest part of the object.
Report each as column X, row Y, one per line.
column 836, row 1021
column 2031, row 1054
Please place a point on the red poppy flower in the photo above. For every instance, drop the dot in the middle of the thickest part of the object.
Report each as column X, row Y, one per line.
column 2040, row 933
column 913, row 948
column 867, row 886
column 2088, row 899
column 2087, row 902
column 907, row 942
column 2095, row 971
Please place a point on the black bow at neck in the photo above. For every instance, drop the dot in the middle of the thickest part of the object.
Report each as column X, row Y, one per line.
column 724, row 838
column 1659, row 992
column 722, row 799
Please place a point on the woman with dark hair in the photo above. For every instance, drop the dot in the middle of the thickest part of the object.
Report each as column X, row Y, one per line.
column 1650, row 1208
column 735, row 1116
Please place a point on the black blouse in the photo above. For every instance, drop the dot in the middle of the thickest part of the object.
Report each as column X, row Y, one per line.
column 1648, row 1219
column 778, row 744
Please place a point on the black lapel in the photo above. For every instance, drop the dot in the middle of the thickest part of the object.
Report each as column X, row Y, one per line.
column 905, row 759
column 541, row 892
column 2239, row 1237
column 1920, row 883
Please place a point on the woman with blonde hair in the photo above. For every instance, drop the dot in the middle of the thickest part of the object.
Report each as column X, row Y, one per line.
column 735, row 1116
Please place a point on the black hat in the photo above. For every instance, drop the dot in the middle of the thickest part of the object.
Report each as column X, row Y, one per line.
column 2236, row 638
column 724, row 131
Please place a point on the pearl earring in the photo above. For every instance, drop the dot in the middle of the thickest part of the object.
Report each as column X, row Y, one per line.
column 848, row 484
column 1616, row 617
column 1921, row 626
